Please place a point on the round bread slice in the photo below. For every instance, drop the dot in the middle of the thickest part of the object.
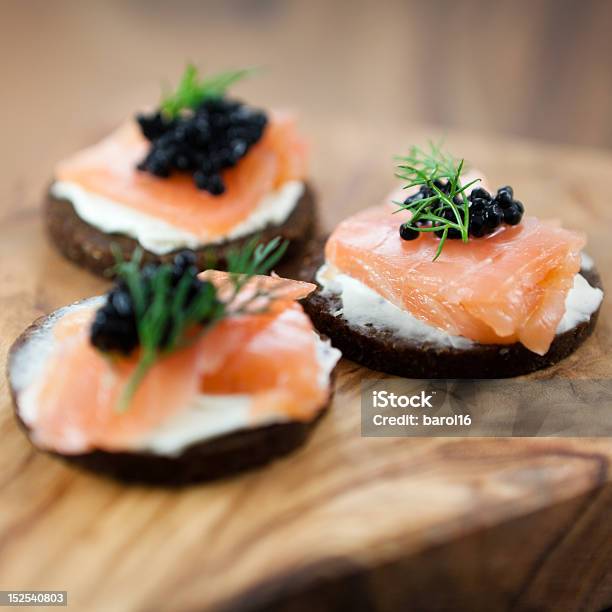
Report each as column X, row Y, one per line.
column 383, row 350
column 90, row 247
column 210, row 459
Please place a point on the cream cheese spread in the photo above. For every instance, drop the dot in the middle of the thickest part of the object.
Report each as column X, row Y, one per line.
column 159, row 236
column 364, row 307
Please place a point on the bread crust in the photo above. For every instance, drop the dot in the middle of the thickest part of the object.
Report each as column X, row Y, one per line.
column 90, row 248
column 208, row 460
column 382, row 350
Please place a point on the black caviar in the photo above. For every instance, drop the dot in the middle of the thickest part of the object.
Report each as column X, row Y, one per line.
column 408, row 233
column 486, row 212
column 204, row 142
column 114, row 327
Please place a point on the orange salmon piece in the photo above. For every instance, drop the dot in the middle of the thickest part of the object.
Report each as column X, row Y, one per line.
column 270, row 355
column 108, row 169
column 505, row 288
column 279, row 289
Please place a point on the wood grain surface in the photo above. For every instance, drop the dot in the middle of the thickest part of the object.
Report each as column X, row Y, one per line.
column 347, row 522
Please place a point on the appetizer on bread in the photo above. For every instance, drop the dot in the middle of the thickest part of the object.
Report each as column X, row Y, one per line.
column 450, row 280
column 174, row 377
column 202, row 172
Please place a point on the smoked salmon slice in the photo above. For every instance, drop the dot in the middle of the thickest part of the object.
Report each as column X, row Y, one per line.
column 271, row 356
column 278, row 290
column 505, row 288
column 108, row 169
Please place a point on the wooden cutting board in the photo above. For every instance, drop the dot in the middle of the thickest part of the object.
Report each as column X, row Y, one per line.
column 350, row 522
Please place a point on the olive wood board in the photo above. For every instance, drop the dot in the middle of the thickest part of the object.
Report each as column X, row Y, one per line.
column 346, row 523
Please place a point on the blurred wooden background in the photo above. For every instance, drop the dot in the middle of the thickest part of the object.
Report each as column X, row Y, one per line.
column 535, row 68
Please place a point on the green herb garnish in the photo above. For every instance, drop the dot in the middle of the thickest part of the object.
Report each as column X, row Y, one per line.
column 193, row 90
column 443, row 210
column 167, row 320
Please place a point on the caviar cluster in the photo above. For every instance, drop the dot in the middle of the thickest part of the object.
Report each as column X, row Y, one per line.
column 114, row 327
column 487, row 212
column 214, row 136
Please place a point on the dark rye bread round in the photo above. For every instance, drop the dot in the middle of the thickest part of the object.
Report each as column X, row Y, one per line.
column 90, row 247
column 208, row 460
column 381, row 349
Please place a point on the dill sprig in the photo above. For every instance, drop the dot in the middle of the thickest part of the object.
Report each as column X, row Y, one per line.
column 165, row 317
column 193, row 90
column 427, row 169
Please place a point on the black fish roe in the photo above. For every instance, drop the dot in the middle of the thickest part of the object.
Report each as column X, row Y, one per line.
column 407, row 233
column 114, row 327
column 487, row 212
column 215, row 136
